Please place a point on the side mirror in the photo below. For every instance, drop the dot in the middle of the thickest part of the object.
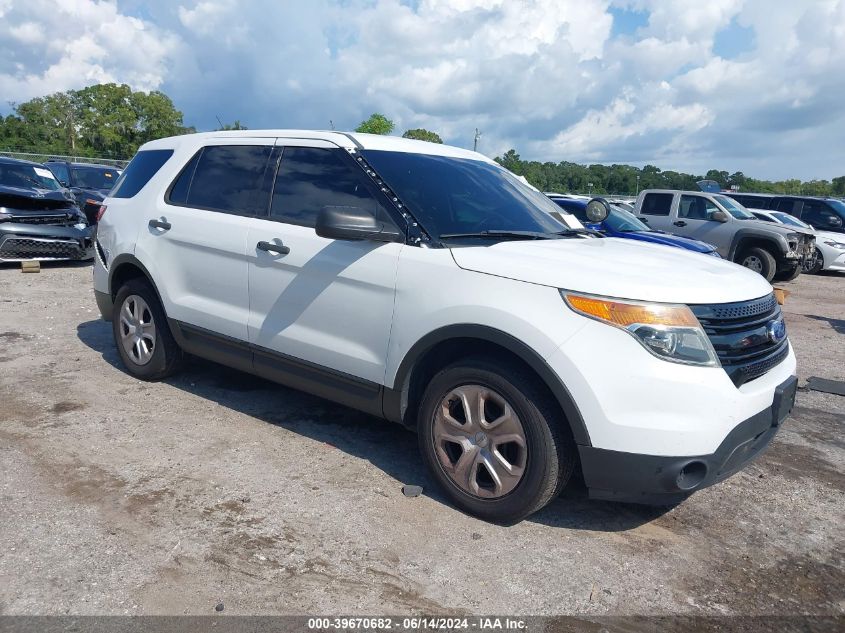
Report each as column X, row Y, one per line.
column 354, row 223
column 719, row 216
column 834, row 222
column 597, row 210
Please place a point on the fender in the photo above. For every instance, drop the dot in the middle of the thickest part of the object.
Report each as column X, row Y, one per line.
column 775, row 239
column 396, row 398
column 104, row 301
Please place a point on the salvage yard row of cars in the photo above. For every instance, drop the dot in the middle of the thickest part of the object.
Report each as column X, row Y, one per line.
column 47, row 212
column 519, row 344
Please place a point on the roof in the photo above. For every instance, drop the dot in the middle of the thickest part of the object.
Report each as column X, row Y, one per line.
column 348, row 140
column 55, row 160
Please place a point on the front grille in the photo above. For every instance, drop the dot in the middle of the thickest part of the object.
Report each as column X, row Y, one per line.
column 32, row 248
column 53, row 220
column 739, row 333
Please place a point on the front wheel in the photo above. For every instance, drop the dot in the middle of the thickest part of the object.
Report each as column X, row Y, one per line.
column 814, row 264
column 760, row 261
column 497, row 445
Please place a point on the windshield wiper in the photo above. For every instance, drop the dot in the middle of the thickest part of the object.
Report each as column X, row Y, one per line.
column 515, row 235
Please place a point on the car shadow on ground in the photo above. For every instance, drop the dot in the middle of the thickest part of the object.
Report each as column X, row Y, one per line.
column 386, row 445
column 837, row 324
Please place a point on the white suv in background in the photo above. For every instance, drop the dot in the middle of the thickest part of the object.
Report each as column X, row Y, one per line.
column 426, row 284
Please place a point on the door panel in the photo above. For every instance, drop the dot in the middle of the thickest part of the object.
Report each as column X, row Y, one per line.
column 695, row 212
column 199, row 257
column 328, row 302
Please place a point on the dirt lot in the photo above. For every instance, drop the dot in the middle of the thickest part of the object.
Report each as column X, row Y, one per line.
column 121, row 497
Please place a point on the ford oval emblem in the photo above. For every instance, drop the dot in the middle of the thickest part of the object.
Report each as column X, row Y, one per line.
column 776, row 330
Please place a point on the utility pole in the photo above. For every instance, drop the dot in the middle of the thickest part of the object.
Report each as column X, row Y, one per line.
column 475, row 142
column 638, row 185
column 331, row 124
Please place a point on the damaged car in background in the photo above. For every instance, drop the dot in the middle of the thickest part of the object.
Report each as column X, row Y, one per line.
column 39, row 219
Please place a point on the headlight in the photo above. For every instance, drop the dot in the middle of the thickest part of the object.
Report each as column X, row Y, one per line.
column 668, row 331
column 838, row 245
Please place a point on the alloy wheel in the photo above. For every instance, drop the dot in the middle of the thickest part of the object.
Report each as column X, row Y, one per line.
column 754, row 263
column 137, row 330
column 480, row 441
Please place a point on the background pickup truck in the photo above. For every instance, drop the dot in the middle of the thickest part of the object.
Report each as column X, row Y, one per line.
column 773, row 251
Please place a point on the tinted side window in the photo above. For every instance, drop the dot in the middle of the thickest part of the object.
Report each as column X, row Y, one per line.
column 228, row 178
column 657, row 204
column 577, row 209
column 144, row 166
column 817, row 214
column 311, row 178
column 182, row 185
column 784, row 204
column 60, row 171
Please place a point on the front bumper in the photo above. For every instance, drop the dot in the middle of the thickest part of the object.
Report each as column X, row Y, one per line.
column 23, row 242
column 658, row 480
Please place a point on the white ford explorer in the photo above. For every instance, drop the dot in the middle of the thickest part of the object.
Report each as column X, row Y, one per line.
column 426, row 284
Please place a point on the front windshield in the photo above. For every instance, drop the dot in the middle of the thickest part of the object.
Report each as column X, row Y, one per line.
column 785, row 218
column 838, row 205
column 734, row 208
column 27, row 176
column 624, row 222
column 94, row 177
column 458, row 195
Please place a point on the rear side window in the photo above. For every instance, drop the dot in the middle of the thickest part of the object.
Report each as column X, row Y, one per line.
column 310, row 178
column 138, row 173
column 657, row 204
column 226, row 178
column 784, row 204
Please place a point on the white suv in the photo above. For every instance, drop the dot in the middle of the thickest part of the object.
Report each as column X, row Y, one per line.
column 426, row 284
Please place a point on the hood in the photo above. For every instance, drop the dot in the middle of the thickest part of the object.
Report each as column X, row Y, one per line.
column 783, row 229
column 615, row 267
column 8, row 194
column 656, row 237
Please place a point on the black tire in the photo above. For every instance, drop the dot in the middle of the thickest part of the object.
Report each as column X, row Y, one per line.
column 815, row 264
column 759, row 260
column 550, row 451
column 166, row 356
column 789, row 274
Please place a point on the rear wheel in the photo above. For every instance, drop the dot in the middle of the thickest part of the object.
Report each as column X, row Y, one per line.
column 814, row 264
column 494, row 440
column 141, row 333
column 760, row 261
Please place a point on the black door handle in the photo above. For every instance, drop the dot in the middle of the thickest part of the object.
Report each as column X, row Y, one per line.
column 158, row 224
column 680, row 223
column 281, row 249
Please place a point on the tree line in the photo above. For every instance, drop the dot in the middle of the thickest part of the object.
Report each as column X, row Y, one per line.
column 112, row 121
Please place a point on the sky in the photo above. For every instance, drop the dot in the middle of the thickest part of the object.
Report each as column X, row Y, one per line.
column 741, row 85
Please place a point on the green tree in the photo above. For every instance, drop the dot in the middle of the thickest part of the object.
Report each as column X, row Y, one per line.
column 838, row 186
column 237, row 125
column 376, row 124
column 101, row 120
column 421, row 134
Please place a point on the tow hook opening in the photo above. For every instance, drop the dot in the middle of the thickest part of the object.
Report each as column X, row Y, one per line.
column 691, row 475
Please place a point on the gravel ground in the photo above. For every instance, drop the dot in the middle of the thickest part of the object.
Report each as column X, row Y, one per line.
column 122, row 497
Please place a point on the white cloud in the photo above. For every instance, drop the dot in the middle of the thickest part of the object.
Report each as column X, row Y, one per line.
column 544, row 76
column 72, row 43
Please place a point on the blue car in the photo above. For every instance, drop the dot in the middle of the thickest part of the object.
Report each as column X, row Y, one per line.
column 620, row 223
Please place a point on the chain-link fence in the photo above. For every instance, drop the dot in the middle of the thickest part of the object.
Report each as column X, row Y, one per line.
column 40, row 158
